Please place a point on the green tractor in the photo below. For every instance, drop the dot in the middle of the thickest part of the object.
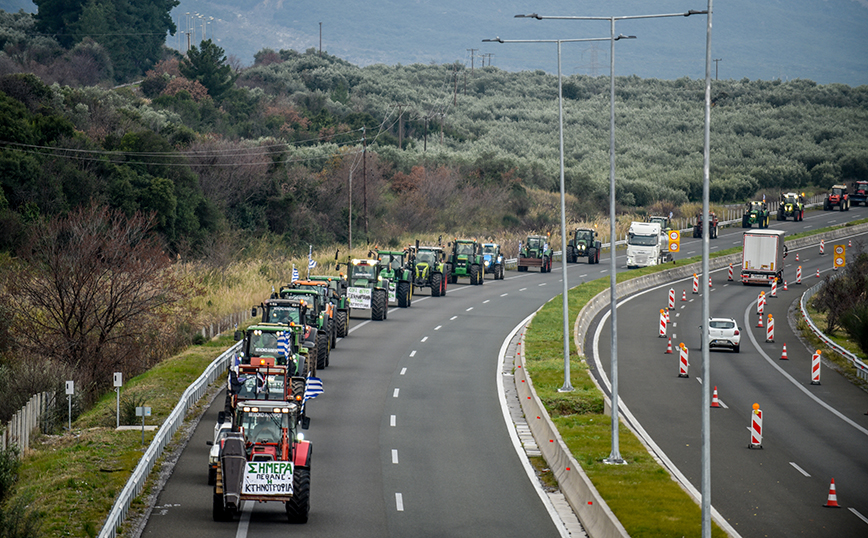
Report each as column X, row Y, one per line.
column 536, row 252
column 466, row 261
column 584, row 244
column 367, row 289
column 755, row 213
column 394, row 267
column 318, row 315
column 429, row 270
column 299, row 313
column 338, row 294
column 792, row 205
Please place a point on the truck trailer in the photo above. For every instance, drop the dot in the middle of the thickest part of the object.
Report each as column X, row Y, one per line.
column 763, row 253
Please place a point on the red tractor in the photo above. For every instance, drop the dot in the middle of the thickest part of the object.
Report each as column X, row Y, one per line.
column 860, row 193
column 712, row 232
column 838, row 197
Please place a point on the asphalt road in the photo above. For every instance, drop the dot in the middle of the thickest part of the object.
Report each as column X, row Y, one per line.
column 811, row 433
column 408, row 438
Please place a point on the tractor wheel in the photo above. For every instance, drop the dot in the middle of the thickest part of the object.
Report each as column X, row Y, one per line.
column 218, row 511
column 212, row 477
column 522, row 268
column 443, row 289
column 474, row 275
column 379, row 304
column 436, row 284
column 480, row 275
column 592, row 253
column 744, row 223
column 341, row 323
column 297, row 389
column 322, row 349
column 298, row 506
column 499, row 272
column 403, row 294
column 826, row 205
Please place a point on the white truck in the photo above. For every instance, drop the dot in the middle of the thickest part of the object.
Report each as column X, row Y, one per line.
column 762, row 259
column 644, row 244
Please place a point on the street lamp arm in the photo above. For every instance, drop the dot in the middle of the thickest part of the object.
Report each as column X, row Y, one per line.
column 622, row 36
column 529, row 16
column 622, row 18
column 577, row 40
column 695, row 12
column 495, row 40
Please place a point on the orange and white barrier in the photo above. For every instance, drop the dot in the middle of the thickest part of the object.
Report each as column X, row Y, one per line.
column 695, row 283
column 784, row 353
column 671, row 298
column 662, row 333
column 729, row 278
column 774, row 292
column 770, row 329
column 756, row 427
column 682, row 360
column 799, row 275
column 815, row 368
column 760, row 303
column 822, row 246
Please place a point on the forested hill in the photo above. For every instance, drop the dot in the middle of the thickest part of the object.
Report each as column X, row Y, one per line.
column 270, row 149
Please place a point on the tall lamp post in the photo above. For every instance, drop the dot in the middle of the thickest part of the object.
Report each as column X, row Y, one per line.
column 615, row 455
column 567, row 386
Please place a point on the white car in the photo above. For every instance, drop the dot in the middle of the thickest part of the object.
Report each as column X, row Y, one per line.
column 723, row 332
column 220, row 431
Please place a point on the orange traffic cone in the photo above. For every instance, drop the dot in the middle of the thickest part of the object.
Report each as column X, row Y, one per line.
column 714, row 401
column 833, row 498
column 683, row 295
column 784, row 353
column 669, row 346
column 760, row 322
column 797, row 256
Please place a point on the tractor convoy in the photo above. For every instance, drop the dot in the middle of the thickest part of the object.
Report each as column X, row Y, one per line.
column 259, row 453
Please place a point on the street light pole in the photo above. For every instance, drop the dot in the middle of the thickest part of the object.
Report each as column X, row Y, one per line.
column 615, row 455
column 567, row 386
column 705, row 479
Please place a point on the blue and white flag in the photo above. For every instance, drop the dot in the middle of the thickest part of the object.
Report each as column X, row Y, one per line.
column 312, row 388
column 294, row 273
column 311, row 263
column 283, row 343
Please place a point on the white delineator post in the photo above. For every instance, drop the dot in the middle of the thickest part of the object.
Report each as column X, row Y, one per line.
column 815, row 368
column 756, row 427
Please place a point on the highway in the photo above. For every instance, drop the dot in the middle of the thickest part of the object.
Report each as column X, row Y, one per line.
column 409, row 438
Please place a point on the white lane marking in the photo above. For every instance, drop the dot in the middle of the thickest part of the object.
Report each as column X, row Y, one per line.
column 485, row 301
column 804, row 472
column 413, row 353
column 244, row 524
column 790, row 378
column 437, row 328
column 699, row 379
column 395, row 394
column 674, row 324
column 393, row 420
column 403, row 371
column 395, row 456
column 399, row 502
column 857, row 514
column 504, row 294
column 469, row 309
column 674, row 336
column 452, row 318
column 543, row 284
column 677, row 314
column 426, row 338
column 522, row 289
column 583, row 276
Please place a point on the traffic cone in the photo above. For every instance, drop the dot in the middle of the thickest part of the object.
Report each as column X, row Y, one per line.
column 760, row 322
column 818, row 273
column 684, row 295
column 669, row 347
column 784, row 353
column 785, row 285
column 849, row 243
column 714, row 401
column 797, row 256
column 832, row 502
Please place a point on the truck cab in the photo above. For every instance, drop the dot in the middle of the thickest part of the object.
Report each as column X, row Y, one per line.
column 644, row 245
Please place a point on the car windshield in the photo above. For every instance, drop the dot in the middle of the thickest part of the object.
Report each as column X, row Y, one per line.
column 642, row 240
column 464, row 249
column 425, row 256
column 283, row 314
column 717, row 324
column 489, row 249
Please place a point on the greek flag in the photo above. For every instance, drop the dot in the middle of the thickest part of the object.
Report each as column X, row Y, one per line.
column 283, row 343
column 312, row 388
column 294, row 273
column 311, row 263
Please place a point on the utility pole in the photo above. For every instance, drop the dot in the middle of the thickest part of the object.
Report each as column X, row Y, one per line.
column 455, row 79
column 320, row 40
column 425, row 145
column 715, row 66
column 441, row 129
column 401, row 126
column 365, row 177
column 472, row 51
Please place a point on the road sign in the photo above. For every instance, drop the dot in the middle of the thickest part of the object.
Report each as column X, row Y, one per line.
column 674, row 241
column 840, row 256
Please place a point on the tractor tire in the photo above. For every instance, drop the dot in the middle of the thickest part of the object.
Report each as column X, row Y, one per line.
column 826, row 205
column 297, row 389
column 298, row 506
column 474, row 275
column 402, row 294
column 592, row 253
column 499, row 273
column 218, row 511
column 212, row 477
column 322, row 349
column 522, row 268
column 341, row 323
column 744, row 222
column 480, row 275
column 443, row 289
column 436, row 284
column 379, row 305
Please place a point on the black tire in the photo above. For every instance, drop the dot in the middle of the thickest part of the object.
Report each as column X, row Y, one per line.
column 474, row 275
column 436, row 284
column 403, row 294
column 218, row 511
column 522, row 268
column 781, row 215
column 298, row 506
column 297, row 389
column 592, row 253
column 212, row 477
column 341, row 323
column 322, row 349
column 826, row 205
column 379, row 305
column 443, row 289
column 499, row 273
column 744, row 223
column 737, row 348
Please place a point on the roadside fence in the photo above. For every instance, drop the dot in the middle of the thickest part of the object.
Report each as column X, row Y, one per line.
column 31, row 416
column 861, row 367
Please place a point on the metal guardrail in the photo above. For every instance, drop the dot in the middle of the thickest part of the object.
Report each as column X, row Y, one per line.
column 164, row 435
column 861, row 367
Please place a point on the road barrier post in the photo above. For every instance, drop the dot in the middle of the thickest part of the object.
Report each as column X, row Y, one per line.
column 815, row 368
column 756, row 427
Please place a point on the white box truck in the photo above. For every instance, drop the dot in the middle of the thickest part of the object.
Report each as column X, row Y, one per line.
column 644, row 244
column 763, row 253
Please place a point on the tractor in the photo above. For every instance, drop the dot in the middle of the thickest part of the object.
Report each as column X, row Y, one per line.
column 264, row 458
column 837, row 198
column 792, row 205
column 466, row 260
column 492, row 260
column 367, row 289
column 584, row 244
column 860, row 193
column 319, row 315
column 338, row 296
column 280, row 315
column 713, row 231
column 755, row 213
column 394, row 268
column 429, row 270
column 535, row 253
column 665, row 228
